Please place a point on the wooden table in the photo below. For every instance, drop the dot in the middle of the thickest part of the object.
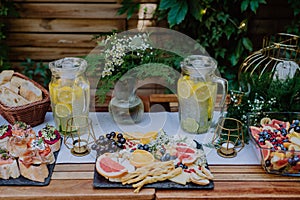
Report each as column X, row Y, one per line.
column 75, row 181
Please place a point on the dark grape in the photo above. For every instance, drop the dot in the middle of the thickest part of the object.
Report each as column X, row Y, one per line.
column 113, row 134
column 120, row 135
column 108, row 135
column 122, row 140
column 146, row 147
column 120, row 145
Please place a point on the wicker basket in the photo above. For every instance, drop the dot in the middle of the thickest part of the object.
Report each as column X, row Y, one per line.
column 32, row 114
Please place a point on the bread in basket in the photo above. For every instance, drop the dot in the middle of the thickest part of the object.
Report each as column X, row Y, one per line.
column 24, row 108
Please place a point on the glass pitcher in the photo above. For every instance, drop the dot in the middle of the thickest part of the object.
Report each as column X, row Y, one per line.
column 69, row 90
column 197, row 91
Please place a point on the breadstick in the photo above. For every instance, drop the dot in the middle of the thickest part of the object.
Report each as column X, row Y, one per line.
column 153, row 179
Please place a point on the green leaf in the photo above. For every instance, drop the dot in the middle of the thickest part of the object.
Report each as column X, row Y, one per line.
column 177, row 13
column 244, row 5
column 247, row 43
column 195, row 9
column 166, row 4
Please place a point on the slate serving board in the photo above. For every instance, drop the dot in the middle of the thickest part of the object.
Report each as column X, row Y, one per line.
column 22, row 181
column 101, row 182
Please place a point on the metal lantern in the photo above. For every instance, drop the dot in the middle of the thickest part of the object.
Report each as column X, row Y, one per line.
column 229, row 137
column 79, row 135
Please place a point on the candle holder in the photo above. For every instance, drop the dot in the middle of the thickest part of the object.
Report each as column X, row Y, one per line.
column 229, row 137
column 79, row 135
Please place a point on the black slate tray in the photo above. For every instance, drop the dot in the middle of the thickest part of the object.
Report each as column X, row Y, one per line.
column 22, row 181
column 101, row 182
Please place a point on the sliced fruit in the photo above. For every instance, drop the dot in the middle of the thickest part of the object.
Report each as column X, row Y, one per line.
column 255, row 131
column 295, row 140
column 148, row 137
column 63, row 110
column 109, row 168
column 190, row 125
column 265, row 120
column 186, row 155
column 141, row 158
column 184, row 88
column 280, row 164
column 266, row 150
column 64, row 94
column 202, row 92
column 285, row 125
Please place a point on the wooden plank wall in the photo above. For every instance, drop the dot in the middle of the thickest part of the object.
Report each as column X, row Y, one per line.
column 51, row 29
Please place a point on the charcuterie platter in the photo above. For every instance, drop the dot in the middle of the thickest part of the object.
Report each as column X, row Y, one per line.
column 151, row 160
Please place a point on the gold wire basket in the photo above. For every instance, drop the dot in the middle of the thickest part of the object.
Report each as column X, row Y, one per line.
column 279, row 48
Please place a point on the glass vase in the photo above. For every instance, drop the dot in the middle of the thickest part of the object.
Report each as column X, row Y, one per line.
column 125, row 106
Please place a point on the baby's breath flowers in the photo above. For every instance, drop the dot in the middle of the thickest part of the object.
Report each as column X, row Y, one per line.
column 119, row 47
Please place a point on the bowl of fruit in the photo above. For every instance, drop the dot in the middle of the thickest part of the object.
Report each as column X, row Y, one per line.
column 276, row 137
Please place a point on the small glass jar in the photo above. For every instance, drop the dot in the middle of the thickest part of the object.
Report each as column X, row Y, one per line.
column 197, row 92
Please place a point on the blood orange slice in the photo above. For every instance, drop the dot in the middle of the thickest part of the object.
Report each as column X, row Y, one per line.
column 109, row 168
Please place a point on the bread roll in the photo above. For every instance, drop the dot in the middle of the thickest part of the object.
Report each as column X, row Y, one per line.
column 5, row 76
column 17, row 81
column 12, row 87
column 11, row 99
column 30, row 92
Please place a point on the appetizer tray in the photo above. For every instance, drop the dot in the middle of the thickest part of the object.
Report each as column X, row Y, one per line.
column 101, row 182
column 22, row 181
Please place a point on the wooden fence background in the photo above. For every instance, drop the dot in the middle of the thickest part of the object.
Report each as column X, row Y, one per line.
column 51, row 29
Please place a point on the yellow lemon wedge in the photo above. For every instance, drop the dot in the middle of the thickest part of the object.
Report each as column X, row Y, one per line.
column 184, row 88
column 63, row 110
column 141, row 158
column 64, row 94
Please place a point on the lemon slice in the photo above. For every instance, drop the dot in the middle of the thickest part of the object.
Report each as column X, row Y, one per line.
column 141, row 158
column 63, row 110
column 148, row 137
column 64, row 94
column 190, row 125
column 184, row 88
column 202, row 92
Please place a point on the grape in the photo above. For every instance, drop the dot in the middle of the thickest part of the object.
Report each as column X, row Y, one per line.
column 113, row 134
column 122, row 140
column 120, row 135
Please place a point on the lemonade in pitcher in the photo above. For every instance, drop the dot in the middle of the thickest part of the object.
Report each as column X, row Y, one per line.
column 69, row 90
column 197, row 92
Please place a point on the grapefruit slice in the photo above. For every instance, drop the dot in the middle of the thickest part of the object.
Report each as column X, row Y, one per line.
column 285, row 125
column 109, row 168
column 255, row 132
column 266, row 150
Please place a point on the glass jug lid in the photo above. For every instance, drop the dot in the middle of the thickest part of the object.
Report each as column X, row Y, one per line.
column 199, row 65
column 68, row 67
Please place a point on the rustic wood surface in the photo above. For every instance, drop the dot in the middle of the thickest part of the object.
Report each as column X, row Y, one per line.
column 75, row 181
